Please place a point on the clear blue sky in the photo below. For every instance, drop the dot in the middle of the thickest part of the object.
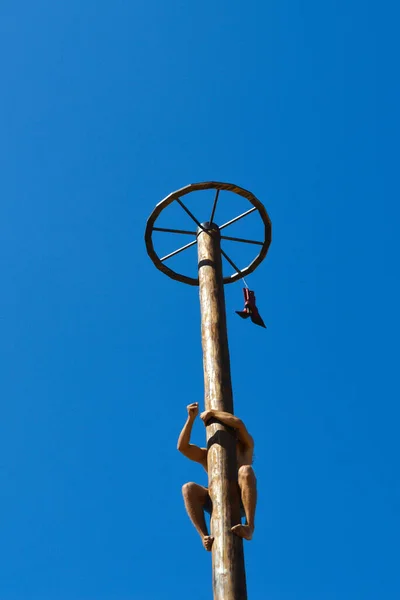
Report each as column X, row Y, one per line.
column 105, row 108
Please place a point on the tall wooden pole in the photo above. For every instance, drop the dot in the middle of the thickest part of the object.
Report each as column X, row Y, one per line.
column 229, row 578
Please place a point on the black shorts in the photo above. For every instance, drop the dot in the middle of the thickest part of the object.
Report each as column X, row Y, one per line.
column 208, row 507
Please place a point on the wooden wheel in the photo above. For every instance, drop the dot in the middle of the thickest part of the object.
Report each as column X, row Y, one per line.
column 204, row 225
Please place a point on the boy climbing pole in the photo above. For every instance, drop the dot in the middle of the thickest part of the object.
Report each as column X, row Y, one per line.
column 196, row 497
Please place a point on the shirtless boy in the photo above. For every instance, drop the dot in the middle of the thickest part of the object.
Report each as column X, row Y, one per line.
column 196, row 497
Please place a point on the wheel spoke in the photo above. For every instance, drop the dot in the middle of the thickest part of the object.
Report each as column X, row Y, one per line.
column 178, row 251
column 239, row 217
column 214, row 206
column 230, row 261
column 179, row 201
column 174, row 230
column 235, row 239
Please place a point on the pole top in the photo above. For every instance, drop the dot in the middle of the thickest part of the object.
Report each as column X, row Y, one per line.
column 209, row 226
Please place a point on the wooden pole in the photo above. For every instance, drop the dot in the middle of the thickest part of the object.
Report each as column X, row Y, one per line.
column 228, row 570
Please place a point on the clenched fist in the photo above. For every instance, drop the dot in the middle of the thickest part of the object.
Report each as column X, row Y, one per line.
column 193, row 410
column 206, row 416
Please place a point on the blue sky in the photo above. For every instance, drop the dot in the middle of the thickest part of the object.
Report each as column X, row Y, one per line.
column 105, row 109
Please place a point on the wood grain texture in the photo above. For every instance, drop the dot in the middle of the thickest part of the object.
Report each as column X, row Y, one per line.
column 229, row 579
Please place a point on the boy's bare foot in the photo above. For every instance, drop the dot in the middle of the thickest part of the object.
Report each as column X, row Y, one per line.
column 208, row 542
column 243, row 531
